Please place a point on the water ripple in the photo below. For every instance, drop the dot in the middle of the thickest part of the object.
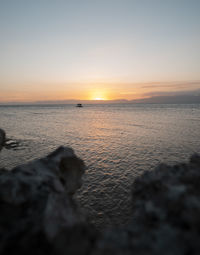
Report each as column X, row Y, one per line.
column 117, row 143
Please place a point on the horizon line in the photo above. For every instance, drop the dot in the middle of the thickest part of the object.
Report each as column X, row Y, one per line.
column 101, row 101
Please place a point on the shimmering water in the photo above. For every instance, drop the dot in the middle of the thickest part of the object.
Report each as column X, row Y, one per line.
column 117, row 142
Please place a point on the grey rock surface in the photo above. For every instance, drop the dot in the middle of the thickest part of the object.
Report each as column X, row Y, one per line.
column 6, row 142
column 2, row 138
column 38, row 214
column 166, row 214
column 166, row 209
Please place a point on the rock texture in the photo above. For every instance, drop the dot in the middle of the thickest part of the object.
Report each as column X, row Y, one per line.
column 166, row 206
column 39, row 216
column 166, row 214
column 37, row 212
column 8, row 143
column 2, row 138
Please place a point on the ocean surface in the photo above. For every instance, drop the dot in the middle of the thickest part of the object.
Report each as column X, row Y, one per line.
column 117, row 143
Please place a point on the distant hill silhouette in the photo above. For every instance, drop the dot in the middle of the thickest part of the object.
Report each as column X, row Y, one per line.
column 178, row 99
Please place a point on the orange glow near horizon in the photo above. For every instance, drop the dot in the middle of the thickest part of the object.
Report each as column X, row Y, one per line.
column 98, row 94
column 91, row 91
column 98, row 98
column 98, row 50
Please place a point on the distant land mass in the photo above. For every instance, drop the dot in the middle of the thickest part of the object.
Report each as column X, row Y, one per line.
column 175, row 99
column 178, row 99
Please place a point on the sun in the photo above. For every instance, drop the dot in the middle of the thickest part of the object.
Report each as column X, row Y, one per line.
column 99, row 98
column 99, row 95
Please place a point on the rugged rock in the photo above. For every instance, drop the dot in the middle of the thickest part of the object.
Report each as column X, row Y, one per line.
column 166, row 207
column 2, row 138
column 8, row 143
column 39, row 216
column 37, row 212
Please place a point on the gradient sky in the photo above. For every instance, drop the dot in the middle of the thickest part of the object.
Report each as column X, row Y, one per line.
column 87, row 49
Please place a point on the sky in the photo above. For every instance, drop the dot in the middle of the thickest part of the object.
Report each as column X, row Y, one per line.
column 98, row 49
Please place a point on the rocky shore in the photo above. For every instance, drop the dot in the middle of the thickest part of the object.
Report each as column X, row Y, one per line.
column 38, row 214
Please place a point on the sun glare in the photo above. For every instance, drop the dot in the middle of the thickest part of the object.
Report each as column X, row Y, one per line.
column 99, row 98
column 98, row 95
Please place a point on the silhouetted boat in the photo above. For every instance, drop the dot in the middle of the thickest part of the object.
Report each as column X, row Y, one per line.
column 79, row 105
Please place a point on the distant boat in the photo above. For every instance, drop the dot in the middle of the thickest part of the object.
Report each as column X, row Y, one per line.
column 79, row 105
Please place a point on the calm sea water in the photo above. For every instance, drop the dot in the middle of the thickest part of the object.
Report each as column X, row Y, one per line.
column 117, row 143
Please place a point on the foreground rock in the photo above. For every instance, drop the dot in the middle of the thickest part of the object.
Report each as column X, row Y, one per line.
column 166, row 206
column 39, row 216
column 2, row 138
column 37, row 213
column 166, row 214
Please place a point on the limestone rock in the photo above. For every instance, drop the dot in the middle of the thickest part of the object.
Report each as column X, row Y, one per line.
column 37, row 211
column 165, row 220
column 166, row 209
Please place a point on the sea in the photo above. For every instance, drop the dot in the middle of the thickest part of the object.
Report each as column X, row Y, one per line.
column 118, row 142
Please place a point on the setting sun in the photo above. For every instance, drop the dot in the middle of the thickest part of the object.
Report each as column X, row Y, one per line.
column 99, row 98
column 98, row 94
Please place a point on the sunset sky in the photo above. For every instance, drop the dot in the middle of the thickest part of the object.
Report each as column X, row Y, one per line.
column 98, row 49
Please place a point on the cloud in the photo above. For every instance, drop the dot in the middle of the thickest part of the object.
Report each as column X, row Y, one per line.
column 172, row 93
column 174, row 85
